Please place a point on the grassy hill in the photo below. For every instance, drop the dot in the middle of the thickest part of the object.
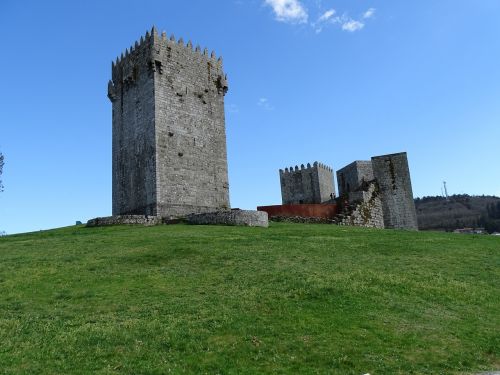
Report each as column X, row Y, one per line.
column 293, row 298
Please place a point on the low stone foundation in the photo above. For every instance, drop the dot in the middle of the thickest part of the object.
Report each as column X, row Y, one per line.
column 229, row 217
column 125, row 219
column 302, row 220
column 232, row 217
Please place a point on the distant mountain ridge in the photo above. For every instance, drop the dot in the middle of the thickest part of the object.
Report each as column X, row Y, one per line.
column 458, row 211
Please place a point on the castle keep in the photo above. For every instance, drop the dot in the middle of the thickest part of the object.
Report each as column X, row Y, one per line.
column 169, row 139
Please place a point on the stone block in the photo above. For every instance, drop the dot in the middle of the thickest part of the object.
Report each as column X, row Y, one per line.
column 230, row 217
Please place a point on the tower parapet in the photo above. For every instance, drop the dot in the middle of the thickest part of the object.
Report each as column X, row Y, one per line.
column 144, row 55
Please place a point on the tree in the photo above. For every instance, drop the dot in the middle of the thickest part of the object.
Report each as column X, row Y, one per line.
column 493, row 210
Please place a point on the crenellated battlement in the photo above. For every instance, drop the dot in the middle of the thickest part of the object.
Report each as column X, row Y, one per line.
column 152, row 38
column 154, row 53
column 315, row 165
column 307, row 184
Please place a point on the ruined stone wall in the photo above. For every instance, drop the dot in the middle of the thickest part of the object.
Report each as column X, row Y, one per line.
column 125, row 220
column 365, row 208
column 169, row 141
column 393, row 176
column 230, row 217
column 306, row 185
column 351, row 177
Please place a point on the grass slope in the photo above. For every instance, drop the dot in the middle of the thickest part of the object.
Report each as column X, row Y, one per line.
column 290, row 299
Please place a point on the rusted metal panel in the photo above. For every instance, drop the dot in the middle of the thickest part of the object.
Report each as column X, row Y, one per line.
column 324, row 211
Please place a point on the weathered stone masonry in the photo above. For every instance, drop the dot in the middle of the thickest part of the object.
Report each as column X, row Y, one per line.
column 374, row 193
column 352, row 176
column 365, row 208
column 169, row 141
column 230, row 217
column 307, row 185
column 393, row 177
column 387, row 180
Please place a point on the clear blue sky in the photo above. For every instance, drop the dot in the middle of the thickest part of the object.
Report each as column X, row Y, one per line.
column 333, row 81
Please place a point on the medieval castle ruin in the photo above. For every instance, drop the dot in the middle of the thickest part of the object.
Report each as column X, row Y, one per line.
column 375, row 193
column 169, row 149
column 382, row 185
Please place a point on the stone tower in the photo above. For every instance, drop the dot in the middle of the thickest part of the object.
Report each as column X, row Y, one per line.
column 307, row 185
column 351, row 177
column 169, row 139
column 387, row 177
column 393, row 177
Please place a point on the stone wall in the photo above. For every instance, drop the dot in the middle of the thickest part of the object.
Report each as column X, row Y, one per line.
column 393, row 177
column 125, row 219
column 134, row 161
column 391, row 173
column 351, row 177
column 307, row 184
column 302, row 220
column 365, row 208
column 169, row 141
column 230, row 217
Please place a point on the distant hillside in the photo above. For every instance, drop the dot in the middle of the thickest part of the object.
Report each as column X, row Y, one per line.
column 458, row 211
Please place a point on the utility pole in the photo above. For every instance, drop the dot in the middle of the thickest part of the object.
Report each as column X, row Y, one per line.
column 445, row 190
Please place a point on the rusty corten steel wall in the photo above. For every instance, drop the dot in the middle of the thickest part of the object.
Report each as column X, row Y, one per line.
column 324, row 211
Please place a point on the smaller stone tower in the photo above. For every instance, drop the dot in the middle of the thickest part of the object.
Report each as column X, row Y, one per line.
column 393, row 177
column 307, row 185
column 351, row 177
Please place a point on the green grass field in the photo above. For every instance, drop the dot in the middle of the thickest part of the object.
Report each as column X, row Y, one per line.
column 294, row 298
